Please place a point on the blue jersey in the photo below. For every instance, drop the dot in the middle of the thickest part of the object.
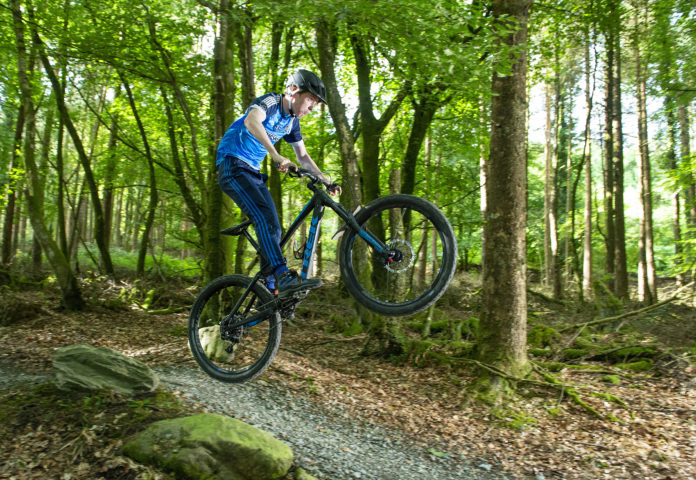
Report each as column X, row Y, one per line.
column 239, row 142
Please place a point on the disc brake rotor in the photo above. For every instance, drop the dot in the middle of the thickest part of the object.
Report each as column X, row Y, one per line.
column 405, row 258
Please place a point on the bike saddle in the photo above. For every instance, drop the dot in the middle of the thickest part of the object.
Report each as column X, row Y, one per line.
column 237, row 229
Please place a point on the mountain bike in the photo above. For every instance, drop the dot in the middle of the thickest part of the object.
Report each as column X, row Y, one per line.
column 397, row 256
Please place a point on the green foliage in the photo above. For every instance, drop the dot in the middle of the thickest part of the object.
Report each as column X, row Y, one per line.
column 573, row 353
column 637, row 366
column 542, row 336
column 162, row 263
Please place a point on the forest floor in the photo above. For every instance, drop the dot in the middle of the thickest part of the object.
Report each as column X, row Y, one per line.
column 543, row 434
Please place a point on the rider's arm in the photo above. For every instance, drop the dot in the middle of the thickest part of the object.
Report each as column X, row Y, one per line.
column 253, row 123
column 306, row 161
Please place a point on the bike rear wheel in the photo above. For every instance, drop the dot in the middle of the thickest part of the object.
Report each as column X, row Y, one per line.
column 239, row 354
column 423, row 262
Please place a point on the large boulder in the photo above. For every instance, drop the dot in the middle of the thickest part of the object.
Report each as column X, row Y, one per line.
column 84, row 367
column 207, row 446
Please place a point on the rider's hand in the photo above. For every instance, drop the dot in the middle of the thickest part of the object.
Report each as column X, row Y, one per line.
column 334, row 189
column 283, row 164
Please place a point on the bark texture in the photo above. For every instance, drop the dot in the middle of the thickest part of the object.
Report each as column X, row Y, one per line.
column 502, row 340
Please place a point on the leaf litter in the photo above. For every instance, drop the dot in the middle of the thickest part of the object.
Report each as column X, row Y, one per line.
column 543, row 437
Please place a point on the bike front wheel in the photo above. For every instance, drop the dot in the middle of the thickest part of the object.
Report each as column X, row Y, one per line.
column 422, row 260
column 227, row 353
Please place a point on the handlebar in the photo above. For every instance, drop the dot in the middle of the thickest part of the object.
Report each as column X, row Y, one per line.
column 314, row 179
column 301, row 172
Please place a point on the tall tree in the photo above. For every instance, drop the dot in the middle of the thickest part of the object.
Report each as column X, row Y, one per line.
column 71, row 294
column 99, row 230
column 617, row 161
column 10, row 206
column 551, row 249
column 154, row 197
column 587, row 160
column 502, row 332
column 647, row 281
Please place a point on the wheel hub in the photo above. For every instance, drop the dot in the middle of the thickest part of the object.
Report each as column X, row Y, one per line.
column 233, row 335
column 401, row 256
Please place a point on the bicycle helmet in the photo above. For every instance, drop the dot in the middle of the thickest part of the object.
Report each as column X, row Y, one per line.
column 307, row 81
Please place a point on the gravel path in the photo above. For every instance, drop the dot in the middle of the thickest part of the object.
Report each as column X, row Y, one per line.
column 326, row 442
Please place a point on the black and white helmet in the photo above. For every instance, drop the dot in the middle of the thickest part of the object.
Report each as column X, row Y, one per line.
column 307, row 81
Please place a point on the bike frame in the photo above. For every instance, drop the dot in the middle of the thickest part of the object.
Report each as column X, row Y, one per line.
column 317, row 205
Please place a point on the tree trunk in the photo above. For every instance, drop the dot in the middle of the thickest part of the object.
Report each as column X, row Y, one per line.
column 424, row 109
column 553, row 274
column 99, row 232
column 587, row 159
column 109, row 176
column 647, row 291
column 569, row 251
column 273, row 84
column 8, row 222
column 608, row 156
column 36, row 253
column 372, row 127
column 621, row 279
column 62, row 236
column 352, row 195
column 152, row 206
column 71, row 295
column 685, row 150
column 676, row 203
column 502, row 332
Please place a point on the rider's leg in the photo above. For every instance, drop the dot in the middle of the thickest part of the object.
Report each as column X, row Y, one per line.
column 247, row 188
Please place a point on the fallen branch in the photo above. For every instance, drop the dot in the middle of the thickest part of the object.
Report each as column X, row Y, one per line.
column 600, row 321
column 547, row 298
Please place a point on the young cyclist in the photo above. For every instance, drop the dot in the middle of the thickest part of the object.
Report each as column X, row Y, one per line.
column 240, row 153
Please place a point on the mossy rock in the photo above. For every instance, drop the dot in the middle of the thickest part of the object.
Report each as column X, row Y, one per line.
column 542, row 336
column 301, row 474
column 207, row 446
column 639, row 366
